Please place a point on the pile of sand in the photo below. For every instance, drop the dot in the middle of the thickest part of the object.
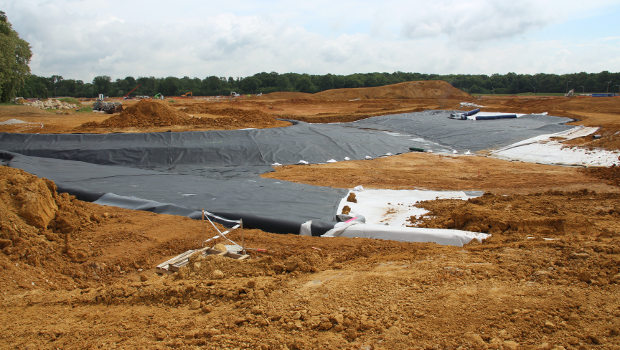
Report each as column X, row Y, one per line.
column 436, row 89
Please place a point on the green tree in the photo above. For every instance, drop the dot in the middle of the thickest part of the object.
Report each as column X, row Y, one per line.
column 15, row 56
column 250, row 85
column 283, row 83
column 304, row 84
column 213, row 85
column 102, row 84
column 55, row 80
column 170, row 86
column 326, row 82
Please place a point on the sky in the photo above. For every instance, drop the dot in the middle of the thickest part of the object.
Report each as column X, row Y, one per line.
column 81, row 39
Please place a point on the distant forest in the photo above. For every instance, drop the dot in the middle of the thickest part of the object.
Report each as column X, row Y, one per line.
column 511, row 83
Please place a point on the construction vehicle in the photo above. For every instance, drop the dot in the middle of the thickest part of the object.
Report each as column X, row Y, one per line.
column 129, row 93
column 570, row 93
column 188, row 94
column 234, row 94
column 158, row 96
column 107, row 107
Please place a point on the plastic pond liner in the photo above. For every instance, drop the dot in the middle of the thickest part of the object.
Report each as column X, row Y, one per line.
column 185, row 172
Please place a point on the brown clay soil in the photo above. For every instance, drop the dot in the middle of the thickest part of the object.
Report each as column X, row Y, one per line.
column 78, row 275
column 449, row 172
column 156, row 115
column 435, row 89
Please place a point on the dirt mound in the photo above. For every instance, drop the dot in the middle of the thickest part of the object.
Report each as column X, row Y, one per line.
column 36, row 228
column 234, row 118
column 435, row 89
column 153, row 114
column 286, row 95
column 52, row 240
column 238, row 113
column 551, row 214
column 146, row 114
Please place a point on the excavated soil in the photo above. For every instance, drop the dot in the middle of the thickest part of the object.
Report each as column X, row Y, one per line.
column 78, row 275
column 610, row 175
column 284, row 95
column 147, row 114
column 154, row 114
column 450, row 172
column 435, row 89
column 551, row 214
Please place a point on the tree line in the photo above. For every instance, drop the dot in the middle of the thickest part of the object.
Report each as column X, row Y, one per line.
column 16, row 80
column 511, row 83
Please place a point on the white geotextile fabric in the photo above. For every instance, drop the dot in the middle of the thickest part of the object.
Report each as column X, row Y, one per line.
column 406, row 234
column 545, row 150
column 394, row 207
column 385, row 214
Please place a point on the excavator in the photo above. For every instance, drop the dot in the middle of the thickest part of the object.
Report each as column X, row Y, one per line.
column 188, row 94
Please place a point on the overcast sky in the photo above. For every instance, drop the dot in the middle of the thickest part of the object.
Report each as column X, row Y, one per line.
column 81, row 39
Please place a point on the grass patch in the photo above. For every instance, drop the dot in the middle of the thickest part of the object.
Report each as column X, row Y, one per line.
column 71, row 100
column 85, row 109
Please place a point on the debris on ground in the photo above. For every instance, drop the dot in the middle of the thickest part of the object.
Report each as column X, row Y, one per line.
column 50, row 103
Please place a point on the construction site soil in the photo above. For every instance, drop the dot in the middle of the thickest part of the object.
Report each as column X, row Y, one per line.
column 80, row 275
column 153, row 115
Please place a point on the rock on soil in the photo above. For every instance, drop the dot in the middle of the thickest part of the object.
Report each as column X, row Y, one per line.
column 50, row 103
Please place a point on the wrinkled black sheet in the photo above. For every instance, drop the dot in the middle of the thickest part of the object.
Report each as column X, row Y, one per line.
column 182, row 173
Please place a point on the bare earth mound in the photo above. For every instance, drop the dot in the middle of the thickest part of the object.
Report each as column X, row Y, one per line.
column 152, row 114
column 436, row 89
column 147, row 114
column 234, row 118
column 550, row 213
column 287, row 95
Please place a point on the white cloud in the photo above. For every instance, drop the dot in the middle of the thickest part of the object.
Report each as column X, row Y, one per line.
column 83, row 38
